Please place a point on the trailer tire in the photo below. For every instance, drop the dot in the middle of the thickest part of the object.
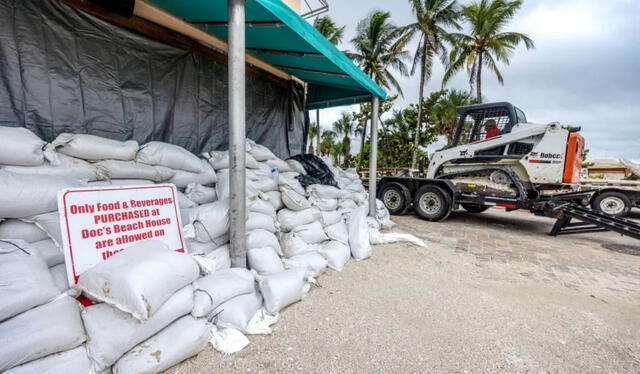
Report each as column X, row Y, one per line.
column 432, row 203
column 612, row 203
column 471, row 208
column 396, row 198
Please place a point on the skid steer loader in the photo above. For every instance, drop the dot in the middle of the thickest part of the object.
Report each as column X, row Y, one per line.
column 497, row 158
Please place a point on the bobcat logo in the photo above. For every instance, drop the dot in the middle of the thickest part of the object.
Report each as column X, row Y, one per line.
column 464, row 153
column 533, row 154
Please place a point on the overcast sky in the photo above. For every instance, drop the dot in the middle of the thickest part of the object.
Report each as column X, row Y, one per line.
column 585, row 70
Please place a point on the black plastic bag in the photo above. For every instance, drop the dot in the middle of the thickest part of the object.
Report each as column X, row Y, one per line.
column 317, row 171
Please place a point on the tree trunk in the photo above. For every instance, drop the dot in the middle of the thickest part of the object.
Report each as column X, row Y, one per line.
column 362, row 140
column 416, row 140
column 479, row 78
column 319, row 131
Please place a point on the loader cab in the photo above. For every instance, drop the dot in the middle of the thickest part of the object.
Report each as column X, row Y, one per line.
column 477, row 123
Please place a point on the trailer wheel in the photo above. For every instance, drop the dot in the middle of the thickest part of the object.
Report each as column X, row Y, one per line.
column 396, row 198
column 474, row 208
column 432, row 203
column 612, row 203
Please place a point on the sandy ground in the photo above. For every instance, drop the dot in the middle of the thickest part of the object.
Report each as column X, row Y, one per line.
column 492, row 293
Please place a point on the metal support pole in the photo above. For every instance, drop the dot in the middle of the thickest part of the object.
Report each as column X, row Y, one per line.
column 237, row 118
column 373, row 156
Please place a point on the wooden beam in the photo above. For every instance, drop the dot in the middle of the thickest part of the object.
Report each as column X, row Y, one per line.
column 156, row 15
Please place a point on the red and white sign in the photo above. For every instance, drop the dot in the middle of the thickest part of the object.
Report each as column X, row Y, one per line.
column 96, row 223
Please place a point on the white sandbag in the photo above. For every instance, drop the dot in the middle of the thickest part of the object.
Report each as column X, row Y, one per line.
column 327, row 192
column 65, row 166
column 296, row 166
column 49, row 252
column 182, row 339
column 259, row 152
column 59, row 276
column 221, row 258
column 112, row 332
column 117, row 169
column 382, row 215
column 218, row 287
column 260, row 323
column 261, row 206
column 284, row 288
column 293, row 200
column 265, row 184
column 336, row 253
column 208, row 221
column 184, row 202
column 182, row 178
column 263, row 238
column 120, row 182
column 185, row 215
column 314, row 262
column 72, row 361
column 201, row 194
column 359, row 197
column 279, row 164
column 331, row 218
column 25, row 281
column 50, row 328
column 237, row 312
column 222, row 187
column 338, row 231
column 264, row 260
column 196, row 248
column 290, row 180
column 275, row 199
column 50, row 224
column 260, row 221
column 169, row 155
column 94, row 148
column 376, row 237
column 228, row 341
column 311, row 233
column 139, row 279
column 359, row 234
column 220, row 160
column 326, row 205
column 27, row 195
column 292, row 245
column 20, row 147
column 347, row 204
column 17, row 229
column 290, row 219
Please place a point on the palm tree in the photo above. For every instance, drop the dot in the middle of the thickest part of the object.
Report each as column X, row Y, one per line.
column 432, row 17
column 329, row 30
column 380, row 46
column 334, row 34
column 344, row 127
column 327, row 142
column 444, row 112
column 486, row 43
column 314, row 133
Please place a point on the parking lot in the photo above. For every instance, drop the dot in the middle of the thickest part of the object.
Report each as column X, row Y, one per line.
column 491, row 293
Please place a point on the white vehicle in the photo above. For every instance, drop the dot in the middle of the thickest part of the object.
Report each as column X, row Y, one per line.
column 497, row 158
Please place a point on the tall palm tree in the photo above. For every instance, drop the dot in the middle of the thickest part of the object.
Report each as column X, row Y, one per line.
column 329, row 29
column 327, row 142
column 314, row 133
column 432, row 19
column 379, row 47
column 344, row 127
column 486, row 42
column 334, row 34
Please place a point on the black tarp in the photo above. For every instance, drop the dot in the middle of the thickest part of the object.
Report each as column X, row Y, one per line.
column 62, row 70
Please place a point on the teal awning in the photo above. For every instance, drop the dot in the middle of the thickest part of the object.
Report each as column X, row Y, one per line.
column 279, row 36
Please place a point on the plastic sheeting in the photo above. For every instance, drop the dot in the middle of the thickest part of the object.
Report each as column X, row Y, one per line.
column 317, row 171
column 66, row 71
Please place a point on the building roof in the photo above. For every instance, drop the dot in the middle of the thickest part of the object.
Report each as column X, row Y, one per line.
column 278, row 35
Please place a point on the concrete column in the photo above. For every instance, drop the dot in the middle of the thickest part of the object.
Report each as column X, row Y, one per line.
column 373, row 155
column 237, row 118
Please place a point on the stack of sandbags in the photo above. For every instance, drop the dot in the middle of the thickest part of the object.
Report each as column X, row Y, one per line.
column 40, row 328
column 143, row 321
